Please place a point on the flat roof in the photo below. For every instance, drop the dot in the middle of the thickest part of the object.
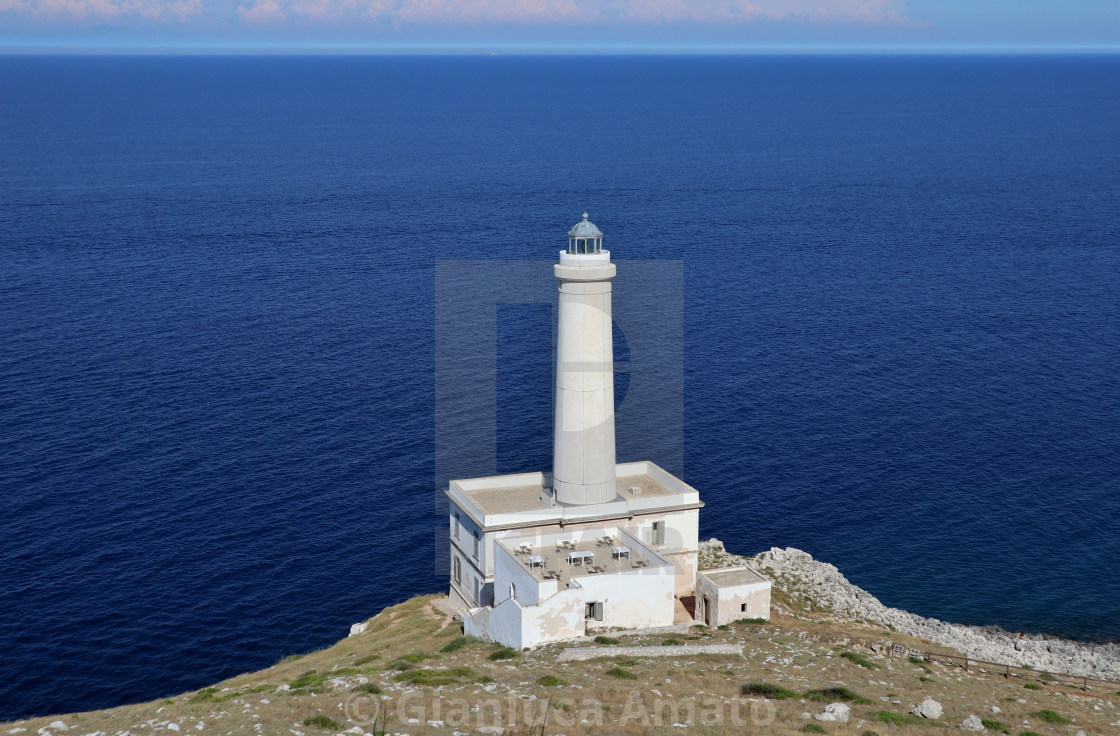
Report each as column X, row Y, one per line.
column 730, row 577
column 507, row 499
column 519, row 499
column 602, row 561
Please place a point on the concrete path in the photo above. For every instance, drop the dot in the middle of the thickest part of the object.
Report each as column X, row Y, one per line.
column 684, row 650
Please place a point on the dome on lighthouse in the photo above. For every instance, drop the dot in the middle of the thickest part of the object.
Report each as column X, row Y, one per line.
column 585, row 238
column 585, row 229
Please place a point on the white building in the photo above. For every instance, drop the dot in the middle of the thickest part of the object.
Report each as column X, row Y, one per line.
column 596, row 544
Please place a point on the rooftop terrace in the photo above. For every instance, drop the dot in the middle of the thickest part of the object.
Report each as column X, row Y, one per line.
column 562, row 561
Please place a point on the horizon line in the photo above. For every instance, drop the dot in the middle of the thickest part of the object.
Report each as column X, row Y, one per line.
column 543, row 49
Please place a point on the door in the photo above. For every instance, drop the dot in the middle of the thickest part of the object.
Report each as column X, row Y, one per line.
column 707, row 611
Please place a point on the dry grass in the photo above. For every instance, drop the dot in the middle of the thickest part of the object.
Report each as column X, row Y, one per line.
column 445, row 676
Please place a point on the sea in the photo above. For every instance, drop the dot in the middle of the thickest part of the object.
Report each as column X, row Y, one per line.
column 894, row 336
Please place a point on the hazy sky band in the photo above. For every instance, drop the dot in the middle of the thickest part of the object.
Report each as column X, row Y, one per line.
column 559, row 25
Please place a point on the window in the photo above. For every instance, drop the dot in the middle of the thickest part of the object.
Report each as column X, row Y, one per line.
column 657, row 533
column 593, row 611
column 455, row 527
column 479, row 596
column 742, row 607
column 477, row 544
column 457, row 569
column 512, row 590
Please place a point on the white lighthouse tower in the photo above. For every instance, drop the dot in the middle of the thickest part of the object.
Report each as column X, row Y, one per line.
column 600, row 545
column 583, row 462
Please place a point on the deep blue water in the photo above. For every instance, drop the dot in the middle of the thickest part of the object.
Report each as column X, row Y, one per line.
column 901, row 331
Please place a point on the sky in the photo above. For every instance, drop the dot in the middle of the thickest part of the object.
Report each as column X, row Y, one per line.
column 560, row 26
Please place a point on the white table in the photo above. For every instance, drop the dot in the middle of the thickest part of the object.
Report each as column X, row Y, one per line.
column 536, row 561
column 579, row 558
column 620, row 552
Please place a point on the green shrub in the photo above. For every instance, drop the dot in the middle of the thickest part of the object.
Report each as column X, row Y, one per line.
column 767, row 690
column 485, row 679
column 621, row 674
column 755, row 621
column 1032, row 686
column 1052, row 717
column 291, row 658
column 699, row 626
column 900, row 719
column 205, row 695
column 416, row 657
column 812, row 728
column 364, row 660
column 923, row 678
column 504, row 653
column 551, row 681
column 723, row 627
column 430, row 678
column 671, row 643
column 461, row 672
column 833, row 694
column 323, row 722
column 1029, row 733
column 456, row 644
column 869, row 733
column 993, row 725
column 309, row 680
column 921, row 663
column 368, row 687
column 607, row 640
column 853, row 657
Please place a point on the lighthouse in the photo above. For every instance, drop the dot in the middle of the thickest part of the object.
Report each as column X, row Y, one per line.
column 596, row 545
column 583, row 461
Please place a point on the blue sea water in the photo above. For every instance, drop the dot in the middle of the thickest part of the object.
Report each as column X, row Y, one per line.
column 901, row 324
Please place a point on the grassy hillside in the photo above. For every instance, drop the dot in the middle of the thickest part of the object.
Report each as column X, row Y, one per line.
column 415, row 669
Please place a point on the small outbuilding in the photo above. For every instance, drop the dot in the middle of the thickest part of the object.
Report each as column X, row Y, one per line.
column 731, row 593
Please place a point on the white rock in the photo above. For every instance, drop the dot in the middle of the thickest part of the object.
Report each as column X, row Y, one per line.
column 835, row 712
column 1079, row 733
column 57, row 725
column 929, row 708
column 173, row 727
column 994, row 709
column 972, row 723
column 17, row 730
column 358, row 629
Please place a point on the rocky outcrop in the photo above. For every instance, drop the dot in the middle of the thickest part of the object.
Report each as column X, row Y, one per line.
column 928, row 708
column 793, row 569
column 837, row 712
column 972, row 723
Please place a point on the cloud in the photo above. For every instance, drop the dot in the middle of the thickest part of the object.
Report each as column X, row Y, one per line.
column 264, row 11
column 481, row 12
column 645, row 12
column 102, row 10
